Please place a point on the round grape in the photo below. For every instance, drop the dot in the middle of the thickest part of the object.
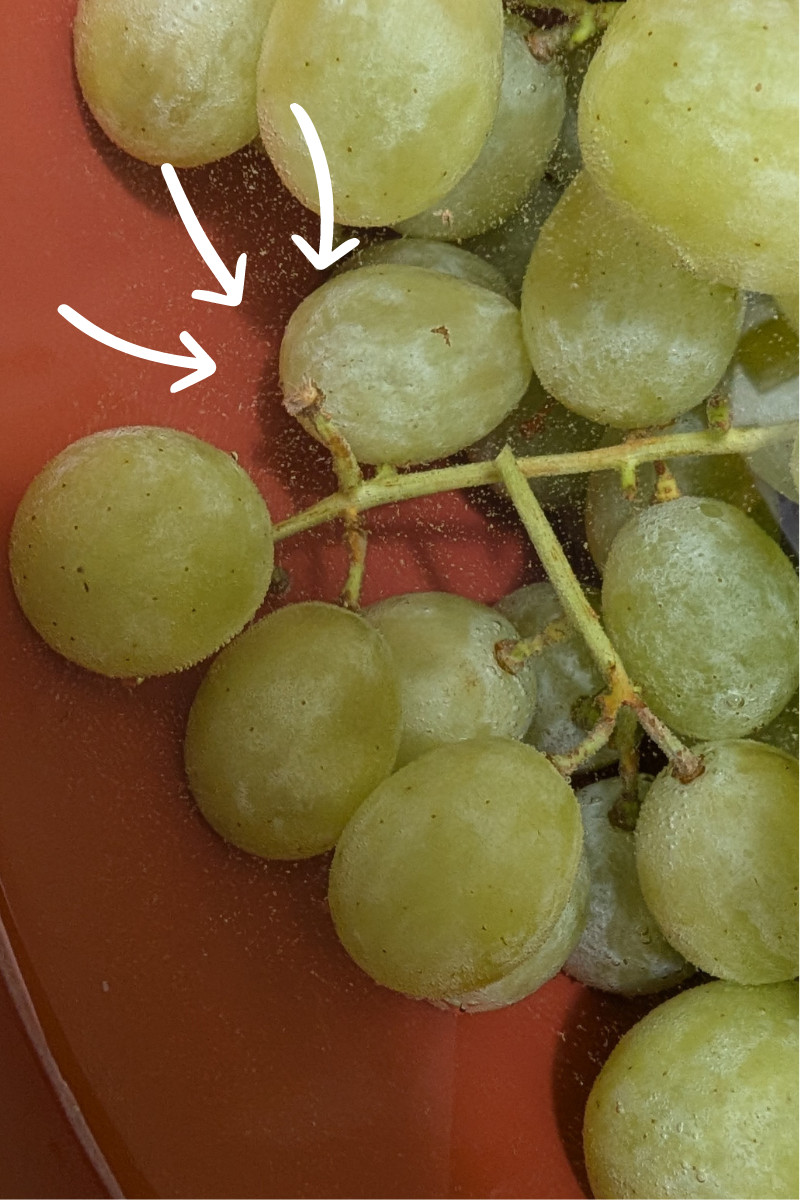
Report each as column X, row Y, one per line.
column 616, row 330
column 702, row 607
column 411, row 364
column 457, row 868
column 294, row 725
column 140, row 551
column 717, row 862
column 700, row 1099
column 688, row 115
column 168, row 81
column 401, row 92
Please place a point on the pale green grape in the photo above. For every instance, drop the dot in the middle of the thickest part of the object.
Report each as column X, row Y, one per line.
column 565, row 671
column 401, row 92
column 717, row 862
column 621, row 948
column 170, row 81
column 515, row 154
column 540, row 966
column 689, row 116
column 616, row 330
column 451, row 684
column 725, row 477
column 540, row 425
column 436, row 256
column 456, row 868
column 140, row 551
column 412, row 364
column 509, row 246
column 702, row 606
column 294, row 725
column 700, row 1099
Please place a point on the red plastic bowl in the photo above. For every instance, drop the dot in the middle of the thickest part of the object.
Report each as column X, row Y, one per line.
column 190, row 1004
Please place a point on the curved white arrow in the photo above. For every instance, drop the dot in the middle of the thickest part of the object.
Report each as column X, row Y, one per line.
column 326, row 256
column 202, row 363
column 232, row 285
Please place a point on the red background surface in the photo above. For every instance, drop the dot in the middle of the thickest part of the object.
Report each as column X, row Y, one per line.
column 218, row 1040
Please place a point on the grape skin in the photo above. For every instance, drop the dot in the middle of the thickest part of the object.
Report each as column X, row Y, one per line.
column 514, row 155
column 540, row 966
column 451, row 684
column 412, row 364
column 428, row 81
column 717, row 862
column 616, row 330
column 140, row 551
column 702, row 144
column 294, row 725
column 435, row 256
column 702, row 607
column 700, row 1099
column 170, row 82
column 621, row 948
column 456, row 868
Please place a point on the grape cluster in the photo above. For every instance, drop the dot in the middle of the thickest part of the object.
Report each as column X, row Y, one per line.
column 635, row 193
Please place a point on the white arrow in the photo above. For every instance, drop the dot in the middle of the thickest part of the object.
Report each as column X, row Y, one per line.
column 202, row 363
column 232, row 285
column 327, row 256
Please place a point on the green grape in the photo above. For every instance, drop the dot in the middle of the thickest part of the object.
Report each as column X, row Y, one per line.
column 402, row 94
column 140, row 551
column 413, row 365
column 508, row 247
column 702, row 607
column 540, row 966
column 717, row 862
column 700, row 1099
column 456, row 868
column 783, row 732
column 565, row 672
column 451, row 684
column 616, row 330
column 540, row 425
column 725, row 477
column 688, row 115
column 294, row 725
column 514, row 155
column 622, row 948
column 170, row 81
column 436, row 256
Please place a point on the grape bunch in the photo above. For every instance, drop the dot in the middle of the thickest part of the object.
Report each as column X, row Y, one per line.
column 578, row 275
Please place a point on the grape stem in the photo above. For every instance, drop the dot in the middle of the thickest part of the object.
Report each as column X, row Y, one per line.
column 511, row 654
column 388, row 486
column 621, row 689
column 305, row 405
